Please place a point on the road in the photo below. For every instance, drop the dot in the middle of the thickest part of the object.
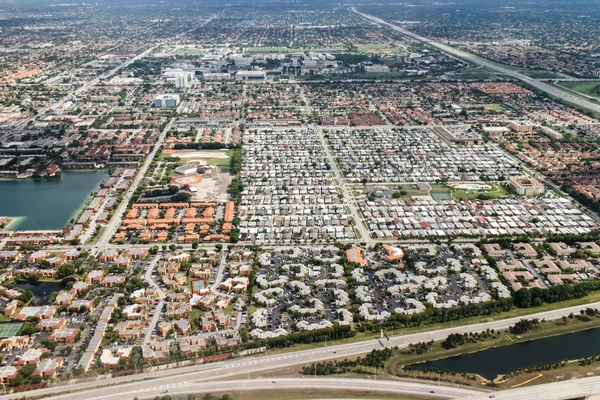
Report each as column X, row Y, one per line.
column 349, row 200
column 296, row 384
column 463, row 55
column 220, row 269
column 115, row 221
column 588, row 388
column 161, row 297
column 118, row 214
column 94, row 82
column 244, row 366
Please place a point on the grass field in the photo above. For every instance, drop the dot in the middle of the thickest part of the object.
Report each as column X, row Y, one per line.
column 497, row 192
column 591, row 88
column 376, row 48
column 9, row 329
column 194, row 314
column 219, row 162
column 476, row 73
column 537, row 74
column 440, row 191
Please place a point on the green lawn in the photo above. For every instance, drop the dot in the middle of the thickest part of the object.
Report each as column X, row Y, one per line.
column 476, row 74
column 497, row 192
column 376, row 47
column 220, row 162
column 196, row 313
column 94, row 239
column 538, row 74
column 591, row 88
column 229, row 309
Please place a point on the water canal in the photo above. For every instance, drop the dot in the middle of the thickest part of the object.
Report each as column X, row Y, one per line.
column 500, row 360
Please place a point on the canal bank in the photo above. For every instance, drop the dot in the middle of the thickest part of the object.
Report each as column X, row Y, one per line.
column 483, row 361
column 495, row 362
column 48, row 204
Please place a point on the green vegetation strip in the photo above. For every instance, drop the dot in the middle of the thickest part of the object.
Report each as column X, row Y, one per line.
column 513, row 313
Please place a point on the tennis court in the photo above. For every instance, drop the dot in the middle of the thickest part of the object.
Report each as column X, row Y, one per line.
column 8, row 329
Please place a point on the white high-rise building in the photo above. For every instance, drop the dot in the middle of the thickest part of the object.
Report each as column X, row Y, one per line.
column 182, row 81
column 179, row 77
column 166, row 100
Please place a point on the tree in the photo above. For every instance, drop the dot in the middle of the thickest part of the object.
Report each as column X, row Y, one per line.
column 49, row 344
column 453, row 340
column 28, row 329
column 524, row 325
column 66, row 270
column 25, row 296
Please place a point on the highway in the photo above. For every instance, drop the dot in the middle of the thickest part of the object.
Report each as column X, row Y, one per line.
column 463, row 55
column 296, row 384
column 243, row 366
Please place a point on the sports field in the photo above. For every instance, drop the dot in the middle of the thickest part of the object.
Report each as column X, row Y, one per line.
column 8, row 329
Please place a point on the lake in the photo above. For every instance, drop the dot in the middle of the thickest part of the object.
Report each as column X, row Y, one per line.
column 48, row 204
column 499, row 360
column 41, row 291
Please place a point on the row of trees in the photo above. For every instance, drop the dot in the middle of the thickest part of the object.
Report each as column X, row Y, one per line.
column 536, row 368
column 419, row 347
column 440, row 372
column 374, row 359
column 458, row 339
column 435, row 315
column 197, row 145
column 524, row 325
column 526, row 298
column 235, row 164
column 336, row 332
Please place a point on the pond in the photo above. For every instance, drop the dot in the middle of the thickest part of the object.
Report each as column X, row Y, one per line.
column 499, row 360
column 48, row 204
column 41, row 291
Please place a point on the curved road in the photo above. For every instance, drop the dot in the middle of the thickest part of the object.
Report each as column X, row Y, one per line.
column 583, row 388
column 243, row 366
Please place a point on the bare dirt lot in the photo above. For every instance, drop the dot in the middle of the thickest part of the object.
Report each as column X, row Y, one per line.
column 213, row 187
